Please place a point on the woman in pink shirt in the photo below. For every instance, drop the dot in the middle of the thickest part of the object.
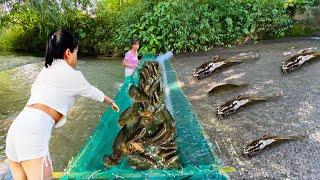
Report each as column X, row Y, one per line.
column 131, row 58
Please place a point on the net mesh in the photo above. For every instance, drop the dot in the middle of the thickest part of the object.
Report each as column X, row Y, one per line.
column 195, row 153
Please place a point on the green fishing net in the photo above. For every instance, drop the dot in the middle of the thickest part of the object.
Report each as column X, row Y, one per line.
column 196, row 154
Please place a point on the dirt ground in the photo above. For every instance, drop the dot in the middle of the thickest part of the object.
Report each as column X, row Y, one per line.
column 297, row 112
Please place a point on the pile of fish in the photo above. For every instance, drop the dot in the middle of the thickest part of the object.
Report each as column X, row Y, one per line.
column 296, row 60
column 147, row 134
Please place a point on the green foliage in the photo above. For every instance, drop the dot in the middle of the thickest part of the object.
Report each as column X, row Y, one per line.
column 251, row 19
column 300, row 3
column 107, row 26
column 7, row 38
column 121, row 21
column 36, row 19
column 179, row 26
column 292, row 5
column 301, row 30
column 171, row 25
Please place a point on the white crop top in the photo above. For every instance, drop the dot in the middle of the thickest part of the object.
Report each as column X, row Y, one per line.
column 58, row 85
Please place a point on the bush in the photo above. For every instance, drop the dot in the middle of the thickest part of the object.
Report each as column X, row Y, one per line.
column 27, row 26
column 292, row 5
column 171, row 25
column 160, row 25
column 179, row 26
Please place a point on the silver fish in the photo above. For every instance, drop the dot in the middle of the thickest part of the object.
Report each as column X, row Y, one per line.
column 206, row 69
column 258, row 145
column 297, row 60
column 232, row 106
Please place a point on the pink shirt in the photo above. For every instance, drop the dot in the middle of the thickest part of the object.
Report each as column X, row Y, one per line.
column 132, row 59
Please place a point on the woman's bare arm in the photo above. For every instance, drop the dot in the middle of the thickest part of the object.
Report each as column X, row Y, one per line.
column 114, row 106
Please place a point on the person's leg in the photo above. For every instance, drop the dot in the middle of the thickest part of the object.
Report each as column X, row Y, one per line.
column 16, row 170
column 29, row 143
column 40, row 168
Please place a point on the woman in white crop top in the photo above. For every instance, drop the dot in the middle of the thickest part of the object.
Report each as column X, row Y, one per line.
column 52, row 95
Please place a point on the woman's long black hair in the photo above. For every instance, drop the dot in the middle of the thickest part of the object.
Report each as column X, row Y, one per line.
column 58, row 42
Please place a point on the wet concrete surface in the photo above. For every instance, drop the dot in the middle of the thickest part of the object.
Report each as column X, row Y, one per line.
column 297, row 112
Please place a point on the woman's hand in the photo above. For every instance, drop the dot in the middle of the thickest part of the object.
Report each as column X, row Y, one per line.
column 115, row 107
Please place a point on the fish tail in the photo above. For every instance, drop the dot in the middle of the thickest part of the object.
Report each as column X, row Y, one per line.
column 276, row 95
column 263, row 98
column 293, row 137
column 242, row 84
column 317, row 54
column 232, row 60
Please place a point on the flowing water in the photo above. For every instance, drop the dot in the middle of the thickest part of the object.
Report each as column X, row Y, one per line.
column 17, row 74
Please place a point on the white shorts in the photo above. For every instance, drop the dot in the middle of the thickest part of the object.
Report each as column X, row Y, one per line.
column 128, row 72
column 29, row 135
